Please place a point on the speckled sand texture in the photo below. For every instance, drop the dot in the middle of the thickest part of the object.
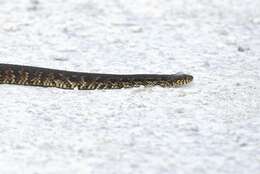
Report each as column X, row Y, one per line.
column 211, row 126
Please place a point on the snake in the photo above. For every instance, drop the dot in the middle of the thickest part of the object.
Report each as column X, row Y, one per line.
column 46, row 77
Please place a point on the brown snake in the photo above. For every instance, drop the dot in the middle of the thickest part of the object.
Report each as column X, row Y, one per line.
column 44, row 77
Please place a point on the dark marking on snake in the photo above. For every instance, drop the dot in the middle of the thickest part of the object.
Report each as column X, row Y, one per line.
column 45, row 77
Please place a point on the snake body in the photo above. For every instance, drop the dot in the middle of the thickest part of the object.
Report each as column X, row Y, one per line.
column 44, row 77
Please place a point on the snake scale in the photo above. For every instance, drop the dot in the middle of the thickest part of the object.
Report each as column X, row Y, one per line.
column 44, row 77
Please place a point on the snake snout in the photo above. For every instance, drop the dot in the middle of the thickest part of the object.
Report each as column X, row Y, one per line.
column 189, row 78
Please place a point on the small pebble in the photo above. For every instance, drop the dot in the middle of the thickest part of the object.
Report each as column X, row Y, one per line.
column 180, row 110
column 137, row 29
column 242, row 49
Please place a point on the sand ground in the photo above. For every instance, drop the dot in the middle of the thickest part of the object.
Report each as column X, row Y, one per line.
column 210, row 126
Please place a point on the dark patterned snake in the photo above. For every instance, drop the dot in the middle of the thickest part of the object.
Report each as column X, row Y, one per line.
column 44, row 77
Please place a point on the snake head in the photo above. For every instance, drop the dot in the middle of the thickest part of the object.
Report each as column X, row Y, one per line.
column 181, row 79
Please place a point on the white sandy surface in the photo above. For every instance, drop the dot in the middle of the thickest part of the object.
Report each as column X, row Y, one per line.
column 210, row 126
